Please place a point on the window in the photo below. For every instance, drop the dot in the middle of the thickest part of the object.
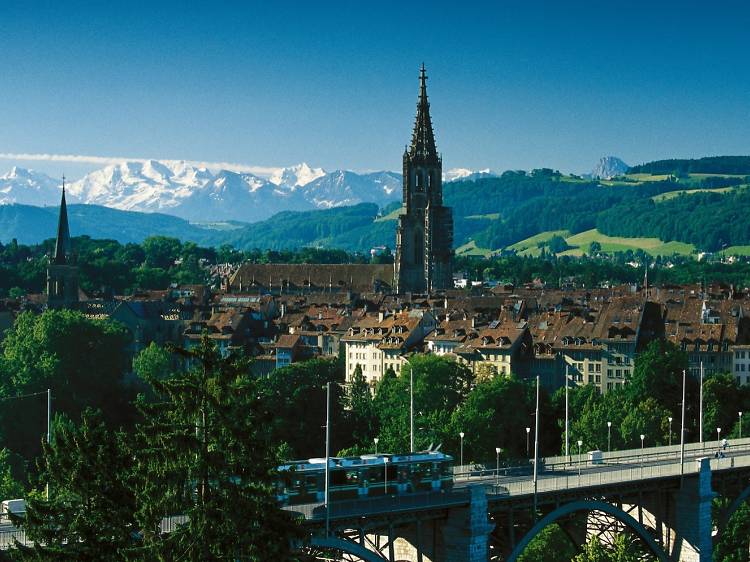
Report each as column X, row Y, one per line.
column 591, row 378
column 598, row 367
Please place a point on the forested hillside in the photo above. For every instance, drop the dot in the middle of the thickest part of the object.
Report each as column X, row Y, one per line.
column 709, row 220
column 708, row 165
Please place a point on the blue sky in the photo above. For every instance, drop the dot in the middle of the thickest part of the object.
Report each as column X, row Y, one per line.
column 512, row 84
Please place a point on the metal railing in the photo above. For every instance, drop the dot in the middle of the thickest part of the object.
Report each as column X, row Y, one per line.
column 587, row 479
column 382, row 504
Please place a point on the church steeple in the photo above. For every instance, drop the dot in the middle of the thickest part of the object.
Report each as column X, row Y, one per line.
column 423, row 138
column 424, row 237
column 62, row 277
column 62, row 246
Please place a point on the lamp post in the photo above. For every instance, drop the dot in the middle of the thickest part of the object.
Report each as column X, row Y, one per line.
column 461, row 435
column 740, row 413
column 497, row 465
column 718, row 436
column 536, row 444
column 609, row 436
column 528, row 431
column 642, row 438
column 376, row 444
column 411, row 406
column 579, row 459
column 700, row 409
column 682, row 430
column 567, row 459
column 328, row 454
column 385, row 476
column 670, row 431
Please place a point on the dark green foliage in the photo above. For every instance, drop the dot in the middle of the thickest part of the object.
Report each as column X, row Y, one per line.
column 297, row 396
column 708, row 220
column 91, row 508
column 83, row 361
column 360, row 411
column 496, row 413
column 552, row 544
column 204, row 451
column 440, row 386
column 734, row 544
column 624, row 549
column 707, row 165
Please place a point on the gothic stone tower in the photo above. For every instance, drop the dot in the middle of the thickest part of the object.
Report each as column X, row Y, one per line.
column 62, row 277
column 424, row 237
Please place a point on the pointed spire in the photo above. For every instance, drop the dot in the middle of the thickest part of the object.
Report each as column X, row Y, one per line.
column 62, row 246
column 423, row 138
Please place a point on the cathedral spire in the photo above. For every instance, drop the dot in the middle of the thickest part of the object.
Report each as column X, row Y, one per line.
column 423, row 138
column 62, row 246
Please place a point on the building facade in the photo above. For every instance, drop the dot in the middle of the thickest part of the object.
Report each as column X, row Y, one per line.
column 424, row 237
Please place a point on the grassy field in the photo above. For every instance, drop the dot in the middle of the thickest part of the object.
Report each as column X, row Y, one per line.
column 470, row 249
column 392, row 216
column 737, row 251
column 580, row 243
column 672, row 194
column 529, row 246
column 490, row 216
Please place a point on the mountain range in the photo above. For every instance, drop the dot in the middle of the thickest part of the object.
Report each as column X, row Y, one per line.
column 198, row 194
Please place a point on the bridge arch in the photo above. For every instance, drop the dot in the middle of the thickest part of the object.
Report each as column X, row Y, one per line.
column 346, row 546
column 590, row 505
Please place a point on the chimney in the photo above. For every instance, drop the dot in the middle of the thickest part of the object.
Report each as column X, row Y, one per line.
column 473, row 321
column 282, row 310
column 381, row 316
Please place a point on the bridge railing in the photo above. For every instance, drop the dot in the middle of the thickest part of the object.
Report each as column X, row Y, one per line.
column 587, row 479
column 381, row 504
column 626, row 456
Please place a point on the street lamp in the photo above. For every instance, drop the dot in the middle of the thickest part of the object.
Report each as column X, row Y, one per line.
column 376, row 444
column 528, row 430
column 642, row 438
column 461, row 435
column 670, row 431
column 497, row 465
column 609, row 436
column 718, row 436
column 579, row 458
column 385, row 476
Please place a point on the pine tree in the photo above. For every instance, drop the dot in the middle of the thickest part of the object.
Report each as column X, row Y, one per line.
column 90, row 511
column 205, row 454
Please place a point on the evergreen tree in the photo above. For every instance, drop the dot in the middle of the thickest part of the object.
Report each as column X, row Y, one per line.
column 90, row 511
column 204, row 453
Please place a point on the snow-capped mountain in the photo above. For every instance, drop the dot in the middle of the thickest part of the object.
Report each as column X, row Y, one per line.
column 609, row 167
column 341, row 188
column 199, row 194
column 296, row 176
column 27, row 187
column 465, row 174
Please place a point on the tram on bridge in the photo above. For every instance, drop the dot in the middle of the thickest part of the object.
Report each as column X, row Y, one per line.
column 301, row 482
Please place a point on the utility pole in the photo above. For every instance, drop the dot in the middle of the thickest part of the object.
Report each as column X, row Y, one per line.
column 49, row 424
column 682, row 431
column 700, row 410
column 536, row 443
column 566, row 416
column 328, row 453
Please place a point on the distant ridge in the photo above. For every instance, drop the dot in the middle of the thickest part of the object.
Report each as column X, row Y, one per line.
column 706, row 165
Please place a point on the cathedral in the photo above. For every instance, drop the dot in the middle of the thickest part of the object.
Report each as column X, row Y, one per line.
column 424, row 237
